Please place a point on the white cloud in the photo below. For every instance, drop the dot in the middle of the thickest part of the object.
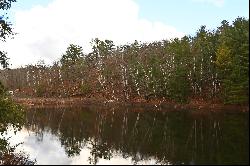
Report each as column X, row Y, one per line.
column 218, row 3
column 49, row 150
column 45, row 32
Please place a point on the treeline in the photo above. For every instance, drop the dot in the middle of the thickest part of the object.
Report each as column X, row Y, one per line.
column 211, row 65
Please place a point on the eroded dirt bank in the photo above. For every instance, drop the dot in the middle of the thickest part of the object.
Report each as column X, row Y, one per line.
column 153, row 104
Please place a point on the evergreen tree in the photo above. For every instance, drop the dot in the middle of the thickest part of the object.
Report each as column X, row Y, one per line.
column 233, row 60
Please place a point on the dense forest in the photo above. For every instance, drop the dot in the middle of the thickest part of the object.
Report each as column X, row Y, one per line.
column 211, row 65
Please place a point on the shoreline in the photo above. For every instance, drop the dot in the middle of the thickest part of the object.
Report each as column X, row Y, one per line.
column 155, row 104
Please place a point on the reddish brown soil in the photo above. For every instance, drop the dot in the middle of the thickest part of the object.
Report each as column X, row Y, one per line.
column 136, row 103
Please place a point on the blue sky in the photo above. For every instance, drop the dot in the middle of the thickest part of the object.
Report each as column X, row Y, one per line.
column 45, row 28
column 188, row 15
column 185, row 15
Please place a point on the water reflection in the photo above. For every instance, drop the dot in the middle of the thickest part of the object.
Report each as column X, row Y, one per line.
column 123, row 136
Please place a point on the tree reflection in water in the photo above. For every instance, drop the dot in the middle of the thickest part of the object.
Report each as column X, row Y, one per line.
column 180, row 137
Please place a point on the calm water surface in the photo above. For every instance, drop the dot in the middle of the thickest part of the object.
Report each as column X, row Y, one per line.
column 125, row 136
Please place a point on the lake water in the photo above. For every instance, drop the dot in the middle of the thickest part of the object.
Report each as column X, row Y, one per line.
column 129, row 136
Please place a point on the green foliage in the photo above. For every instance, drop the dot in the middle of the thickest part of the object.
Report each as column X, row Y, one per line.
column 211, row 65
column 85, row 89
column 4, row 59
column 6, row 4
column 11, row 115
column 5, row 31
column 179, row 86
column 233, row 60
column 40, row 90
column 102, row 48
column 73, row 54
column 204, row 45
